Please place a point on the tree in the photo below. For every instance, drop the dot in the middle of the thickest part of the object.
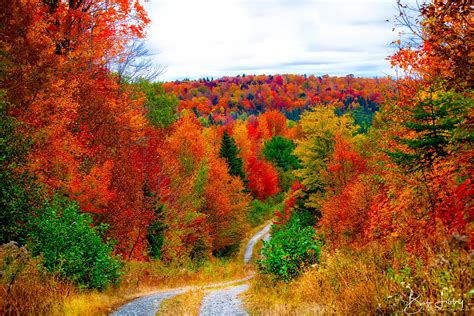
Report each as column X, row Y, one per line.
column 279, row 151
column 19, row 193
column 226, row 207
column 229, row 151
column 434, row 127
column 182, row 185
column 292, row 248
column 135, row 63
column 441, row 43
column 262, row 178
column 161, row 107
column 348, row 194
column 320, row 128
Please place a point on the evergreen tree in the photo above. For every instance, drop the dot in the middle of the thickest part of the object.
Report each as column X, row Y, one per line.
column 229, row 151
column 436, row 126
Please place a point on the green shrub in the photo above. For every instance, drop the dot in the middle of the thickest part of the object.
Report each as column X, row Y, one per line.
column 259, row 212
column 291, row 248
column 262, row 211
column 71, row 246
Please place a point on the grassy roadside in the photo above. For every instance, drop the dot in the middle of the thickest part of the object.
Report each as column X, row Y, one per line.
column 375, row 280
column 187, row 303
column 38, row 291
column 142, row 278
column 249, row 236
column 33, row 290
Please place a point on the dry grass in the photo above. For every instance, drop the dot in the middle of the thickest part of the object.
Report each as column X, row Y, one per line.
column 375, row 280
column 142, row 278
column 35, row 292
column 89, row 303
column 187, row 304
column 146, row 276
column 24, row 289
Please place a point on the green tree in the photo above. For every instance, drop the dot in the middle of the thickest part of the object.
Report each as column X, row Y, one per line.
column 291, row 248
column 161, row 107
column 71, row 246
column 156, row 233
column 279, row 151
column 18, row 190
column 436, row 126
column 229, row 151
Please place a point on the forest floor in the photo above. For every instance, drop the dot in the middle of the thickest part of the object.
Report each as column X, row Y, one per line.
column 217, row 298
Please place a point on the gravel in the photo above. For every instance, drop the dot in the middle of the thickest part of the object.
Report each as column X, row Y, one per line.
column 224, row 302
column 249, row 249
column 147, row 305
column 217, row 302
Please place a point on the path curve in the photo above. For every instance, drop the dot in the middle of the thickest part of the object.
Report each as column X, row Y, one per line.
column 264, row 232
column 220, row 302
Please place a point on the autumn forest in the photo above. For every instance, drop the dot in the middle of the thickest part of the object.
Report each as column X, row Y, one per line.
column 115, row 184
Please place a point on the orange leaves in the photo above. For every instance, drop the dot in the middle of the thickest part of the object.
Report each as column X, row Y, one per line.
column 185, row 147
column 205, row 206
column 92, row 190
column 348, row 197
column 262, row 178
column 344, row 165
column 344, row 215
column 274, row 122
column 446, row 42
column 223, row 99
column 295, row 193
column 226, row 205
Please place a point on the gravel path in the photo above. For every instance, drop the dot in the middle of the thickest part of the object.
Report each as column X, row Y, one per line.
column 218, row 302
column 224, row 302
column 147, row 305
column 249, row 249
column 150, row 304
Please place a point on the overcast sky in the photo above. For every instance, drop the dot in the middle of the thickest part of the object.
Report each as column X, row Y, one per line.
column 215, row 38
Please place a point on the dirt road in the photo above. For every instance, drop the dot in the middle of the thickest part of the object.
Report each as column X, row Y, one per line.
column 217, row 302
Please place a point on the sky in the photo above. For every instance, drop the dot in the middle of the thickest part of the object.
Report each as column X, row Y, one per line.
column 215, row 38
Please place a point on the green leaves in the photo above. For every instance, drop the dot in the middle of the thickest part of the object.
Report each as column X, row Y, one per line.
column 161, row 106
column 18, row 190
column 71, row 246
column 436, row 125
column 279, row 151
column 290, row 250
column 229, row 152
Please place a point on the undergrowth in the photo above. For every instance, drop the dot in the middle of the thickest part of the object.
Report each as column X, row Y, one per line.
column 374, row 280
column 28, row 289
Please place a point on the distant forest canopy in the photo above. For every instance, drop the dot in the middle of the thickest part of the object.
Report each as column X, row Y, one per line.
column 222, row 100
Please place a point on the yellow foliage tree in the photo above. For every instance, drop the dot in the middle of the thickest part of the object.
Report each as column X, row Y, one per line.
column 319, row 128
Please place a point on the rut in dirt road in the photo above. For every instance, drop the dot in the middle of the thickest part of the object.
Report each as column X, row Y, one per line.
column 217, row 302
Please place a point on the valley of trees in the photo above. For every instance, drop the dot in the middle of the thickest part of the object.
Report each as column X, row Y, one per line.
column 101, row 167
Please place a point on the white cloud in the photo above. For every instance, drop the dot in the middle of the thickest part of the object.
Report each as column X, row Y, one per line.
column 228, row 37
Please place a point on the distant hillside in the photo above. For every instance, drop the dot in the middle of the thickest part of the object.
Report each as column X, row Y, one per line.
column 227, row 98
